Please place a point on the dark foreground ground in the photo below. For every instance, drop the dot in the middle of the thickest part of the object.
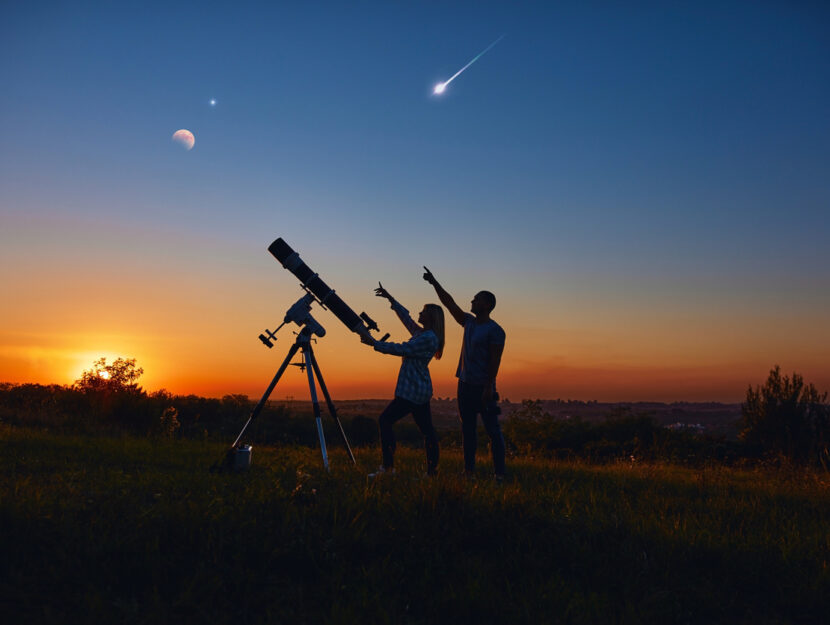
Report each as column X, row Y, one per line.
column 127, row 530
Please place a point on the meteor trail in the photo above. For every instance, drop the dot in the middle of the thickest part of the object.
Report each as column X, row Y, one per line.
column 441, row 86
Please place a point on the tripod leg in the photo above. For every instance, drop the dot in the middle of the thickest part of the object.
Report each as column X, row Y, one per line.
column 258, row 408
column 330, row 404
column 315, row 404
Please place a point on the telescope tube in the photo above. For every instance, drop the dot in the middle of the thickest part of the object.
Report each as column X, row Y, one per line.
column 311, row 281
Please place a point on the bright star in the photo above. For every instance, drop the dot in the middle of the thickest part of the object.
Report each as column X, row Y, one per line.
column 212, row 102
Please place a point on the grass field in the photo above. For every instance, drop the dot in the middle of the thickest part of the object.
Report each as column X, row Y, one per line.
column 130, row 530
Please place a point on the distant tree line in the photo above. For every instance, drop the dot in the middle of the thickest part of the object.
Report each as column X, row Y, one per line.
column 784, row 418
column 107, row 399
column 623, row 434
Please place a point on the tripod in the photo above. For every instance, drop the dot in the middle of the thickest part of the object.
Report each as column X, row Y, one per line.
column 310, row 365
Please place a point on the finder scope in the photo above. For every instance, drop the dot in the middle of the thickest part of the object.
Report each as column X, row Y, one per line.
column 312, row 283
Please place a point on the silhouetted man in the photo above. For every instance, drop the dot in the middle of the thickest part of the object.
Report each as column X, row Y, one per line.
column 477, row 368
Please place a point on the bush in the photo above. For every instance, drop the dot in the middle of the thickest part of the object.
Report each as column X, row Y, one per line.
column 787, row 417
column 169, row 422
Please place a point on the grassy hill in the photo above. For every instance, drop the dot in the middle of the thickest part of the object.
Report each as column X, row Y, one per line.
column 133, row 530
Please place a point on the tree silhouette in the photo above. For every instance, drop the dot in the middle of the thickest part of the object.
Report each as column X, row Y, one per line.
column 786, row 416
column 119, row 377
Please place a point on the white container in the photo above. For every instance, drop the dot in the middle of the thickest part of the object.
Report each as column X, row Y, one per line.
column 242, row 458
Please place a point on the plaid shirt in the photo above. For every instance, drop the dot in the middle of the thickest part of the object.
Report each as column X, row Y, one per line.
column 414, row 382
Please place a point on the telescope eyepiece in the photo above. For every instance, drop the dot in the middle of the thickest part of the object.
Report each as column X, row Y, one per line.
column 370, row 323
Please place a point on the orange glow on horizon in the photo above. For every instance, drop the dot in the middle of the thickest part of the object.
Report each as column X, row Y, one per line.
column 353, row 371
column 188, row 340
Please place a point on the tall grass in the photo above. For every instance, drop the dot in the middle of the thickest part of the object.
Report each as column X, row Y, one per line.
column 133, row 530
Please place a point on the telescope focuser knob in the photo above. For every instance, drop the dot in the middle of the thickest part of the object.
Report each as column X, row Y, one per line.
column 384, row 337
column 266, row 340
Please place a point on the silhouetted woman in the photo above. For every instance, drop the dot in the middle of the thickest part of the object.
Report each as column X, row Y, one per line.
column 414, row 389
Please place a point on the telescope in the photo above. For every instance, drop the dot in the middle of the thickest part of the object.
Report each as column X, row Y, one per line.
column 300, row 313
column 321, row 291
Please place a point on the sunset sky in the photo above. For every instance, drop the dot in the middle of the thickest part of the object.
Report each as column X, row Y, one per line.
column 644, row 186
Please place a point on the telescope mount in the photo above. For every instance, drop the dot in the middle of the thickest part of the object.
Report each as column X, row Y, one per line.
column 300, row 314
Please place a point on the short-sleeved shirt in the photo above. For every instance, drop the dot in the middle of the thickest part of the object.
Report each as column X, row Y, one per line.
column 475, row 350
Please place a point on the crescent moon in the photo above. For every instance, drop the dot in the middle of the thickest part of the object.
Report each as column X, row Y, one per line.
column 184, row 138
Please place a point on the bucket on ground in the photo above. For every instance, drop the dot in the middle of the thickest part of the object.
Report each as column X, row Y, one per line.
column 242, row 458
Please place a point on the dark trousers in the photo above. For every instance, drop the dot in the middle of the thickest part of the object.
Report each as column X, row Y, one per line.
column 470, row 405
column 397, row 409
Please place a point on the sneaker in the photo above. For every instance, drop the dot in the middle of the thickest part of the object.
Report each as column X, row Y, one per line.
column 381, row 471
column 498, row 478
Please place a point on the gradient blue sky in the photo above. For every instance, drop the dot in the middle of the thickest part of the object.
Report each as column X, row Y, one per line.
column 643, row 185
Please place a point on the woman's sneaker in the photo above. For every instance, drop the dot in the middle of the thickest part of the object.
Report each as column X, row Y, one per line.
column 381, row 471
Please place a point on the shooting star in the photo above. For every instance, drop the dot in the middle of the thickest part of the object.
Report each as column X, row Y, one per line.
column 442, row 86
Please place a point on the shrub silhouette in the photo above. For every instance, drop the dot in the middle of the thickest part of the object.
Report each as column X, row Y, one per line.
column 119, row 377
column 169, row 422
column 112, row 395
column 787, row 417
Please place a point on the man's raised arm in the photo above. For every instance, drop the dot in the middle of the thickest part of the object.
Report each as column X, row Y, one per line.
column 446, row 299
